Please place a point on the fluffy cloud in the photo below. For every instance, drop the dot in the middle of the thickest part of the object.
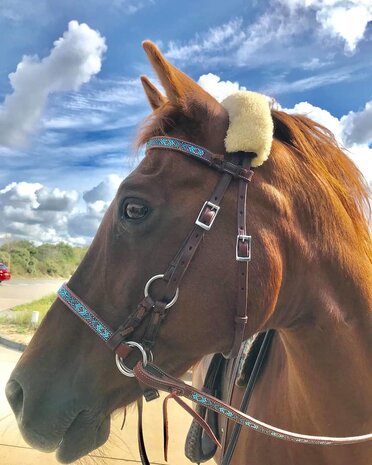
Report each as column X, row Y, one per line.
column 56, row 200
column 104, row 191
column 34, row 212
column 85, row 224
column 357, row 126
column 74, row 59
column 219, row 89
column 345, row 19
column 319, row 115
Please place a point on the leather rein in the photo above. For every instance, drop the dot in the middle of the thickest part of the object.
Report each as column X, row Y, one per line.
column 235, row 166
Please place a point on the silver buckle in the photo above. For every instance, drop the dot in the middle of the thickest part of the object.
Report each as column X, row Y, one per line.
column 243, row 238
column 214, row 208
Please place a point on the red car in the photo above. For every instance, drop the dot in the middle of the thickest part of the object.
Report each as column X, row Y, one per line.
column 4, row 273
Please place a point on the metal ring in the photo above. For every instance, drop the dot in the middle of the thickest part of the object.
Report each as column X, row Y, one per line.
column 123, row 368
column 154, row 278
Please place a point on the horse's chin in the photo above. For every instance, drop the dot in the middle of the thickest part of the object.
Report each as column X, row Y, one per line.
column 81, row 439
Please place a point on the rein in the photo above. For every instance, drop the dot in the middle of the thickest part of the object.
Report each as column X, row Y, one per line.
column 237, row 166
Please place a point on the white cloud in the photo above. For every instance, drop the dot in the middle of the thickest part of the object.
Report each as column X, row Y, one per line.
column 130, row 7
column 217, row 88
column 74, row 59
column 35, row 212
column 319, row 115
column 16, row 194
column 272, row 36
column 105, row 190
column 352, row 131
column 345, row 19
column 98, row 199
column 56, row 199
column 18, row 10
column 357, row 126
column 221, row 38
column 311, row 82
column 32, row 211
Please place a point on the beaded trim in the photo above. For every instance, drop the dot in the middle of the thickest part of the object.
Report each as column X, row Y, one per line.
column 175, row 144
column 200, row 399
column 84, row 312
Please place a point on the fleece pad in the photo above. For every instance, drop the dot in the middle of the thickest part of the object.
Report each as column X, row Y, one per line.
column 251, row 125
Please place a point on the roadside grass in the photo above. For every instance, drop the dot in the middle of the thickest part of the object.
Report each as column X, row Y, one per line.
column 20, row 317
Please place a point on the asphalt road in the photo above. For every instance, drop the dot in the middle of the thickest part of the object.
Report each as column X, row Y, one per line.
column 21, row 291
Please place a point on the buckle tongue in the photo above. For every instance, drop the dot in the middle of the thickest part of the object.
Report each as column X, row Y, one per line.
column 242, row 238
column 213, row 209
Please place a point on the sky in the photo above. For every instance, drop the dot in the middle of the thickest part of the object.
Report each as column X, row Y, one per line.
column 71, row 98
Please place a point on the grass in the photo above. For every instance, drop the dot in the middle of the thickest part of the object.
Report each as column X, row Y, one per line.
column 20, row 318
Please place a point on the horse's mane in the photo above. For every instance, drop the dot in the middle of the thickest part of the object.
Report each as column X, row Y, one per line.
column 307, row 164
column 331, row 193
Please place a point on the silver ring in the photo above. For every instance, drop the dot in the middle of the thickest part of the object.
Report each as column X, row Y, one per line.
column 154, row 278
column 123, row 368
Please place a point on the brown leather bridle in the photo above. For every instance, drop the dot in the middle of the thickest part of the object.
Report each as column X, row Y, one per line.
column 233, row 166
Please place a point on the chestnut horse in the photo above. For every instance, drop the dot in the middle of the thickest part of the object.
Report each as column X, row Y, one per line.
column 310, row 280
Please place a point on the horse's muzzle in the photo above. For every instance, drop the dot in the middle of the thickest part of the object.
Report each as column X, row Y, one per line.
column 71, row 435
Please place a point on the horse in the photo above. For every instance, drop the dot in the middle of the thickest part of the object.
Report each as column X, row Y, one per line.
column 309, row 280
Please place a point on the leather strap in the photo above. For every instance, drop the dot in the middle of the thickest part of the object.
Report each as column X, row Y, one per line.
column 265, row 344
column 193, row 413
column 116, row 340
column 200, row 154
column 238, row 168
column 153, row 376
column 243, row 257
column 141, row 440
column 199, row 448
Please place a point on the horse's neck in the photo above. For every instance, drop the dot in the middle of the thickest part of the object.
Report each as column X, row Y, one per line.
column 327, row 355
column 316, row 378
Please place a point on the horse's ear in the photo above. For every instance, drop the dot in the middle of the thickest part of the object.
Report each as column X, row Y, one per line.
column 181, row 90
column 154, row 96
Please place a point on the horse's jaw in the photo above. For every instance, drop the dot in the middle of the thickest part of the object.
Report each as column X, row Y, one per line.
column 80, row 439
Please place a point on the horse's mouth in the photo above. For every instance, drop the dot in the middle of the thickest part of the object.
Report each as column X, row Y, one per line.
column 80, row 439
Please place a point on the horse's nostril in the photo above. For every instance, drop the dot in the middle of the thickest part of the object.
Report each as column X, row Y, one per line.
column 14, row 394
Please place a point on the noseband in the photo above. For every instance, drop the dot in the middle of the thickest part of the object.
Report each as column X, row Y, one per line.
column 234, row 166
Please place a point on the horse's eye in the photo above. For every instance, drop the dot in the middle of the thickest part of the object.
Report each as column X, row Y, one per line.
column 134, row 210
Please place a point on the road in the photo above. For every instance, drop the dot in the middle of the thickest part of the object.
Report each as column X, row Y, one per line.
column 121, row 446
column 21, row 291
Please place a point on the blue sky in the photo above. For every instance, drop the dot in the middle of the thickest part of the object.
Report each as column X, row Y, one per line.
column 66, row 124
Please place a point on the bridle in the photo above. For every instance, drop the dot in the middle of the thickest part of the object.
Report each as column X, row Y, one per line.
column 237, row 167
column 233, row 166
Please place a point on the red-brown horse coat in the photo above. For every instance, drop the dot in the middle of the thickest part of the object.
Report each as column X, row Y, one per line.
column 310, row 279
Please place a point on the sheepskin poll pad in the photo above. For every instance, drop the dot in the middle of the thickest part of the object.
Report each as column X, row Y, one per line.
column 251, row 125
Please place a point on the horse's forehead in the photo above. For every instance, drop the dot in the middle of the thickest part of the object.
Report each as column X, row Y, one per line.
column 170, row 167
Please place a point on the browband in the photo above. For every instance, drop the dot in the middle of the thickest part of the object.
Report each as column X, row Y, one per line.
column 203, row 155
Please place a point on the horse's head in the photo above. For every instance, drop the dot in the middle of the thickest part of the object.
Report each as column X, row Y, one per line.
column 66, row 384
